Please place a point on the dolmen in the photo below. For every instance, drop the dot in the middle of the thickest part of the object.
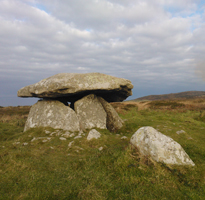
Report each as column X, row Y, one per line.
column 75, row 102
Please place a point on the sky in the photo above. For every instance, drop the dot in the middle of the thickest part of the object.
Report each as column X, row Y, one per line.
column 158, row 45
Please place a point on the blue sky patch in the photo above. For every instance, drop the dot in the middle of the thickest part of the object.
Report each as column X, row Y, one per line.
column 39, row 6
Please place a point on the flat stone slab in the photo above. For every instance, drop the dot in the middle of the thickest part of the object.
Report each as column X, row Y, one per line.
column 73, row 86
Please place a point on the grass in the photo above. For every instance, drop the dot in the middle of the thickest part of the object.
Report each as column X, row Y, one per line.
column 166, row 104
column 51, row 170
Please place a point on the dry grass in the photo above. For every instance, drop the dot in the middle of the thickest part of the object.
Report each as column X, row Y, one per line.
column 11, row 113
column 180, row 105
column 121, row 107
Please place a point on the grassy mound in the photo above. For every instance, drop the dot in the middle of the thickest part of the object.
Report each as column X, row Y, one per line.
column 37, row 164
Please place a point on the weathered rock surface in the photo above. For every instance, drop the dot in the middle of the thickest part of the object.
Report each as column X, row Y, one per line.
column 113, row 121
column 69, row 87
column 93, row 134
column 53, row 114
column 160, row 147
column 90, row 112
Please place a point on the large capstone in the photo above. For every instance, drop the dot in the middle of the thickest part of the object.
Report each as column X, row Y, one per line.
column 90, row 112
column 50, row 113
column 70, row 87
column 159, row 147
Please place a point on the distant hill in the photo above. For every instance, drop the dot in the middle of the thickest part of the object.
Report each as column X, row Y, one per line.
column 172, row 96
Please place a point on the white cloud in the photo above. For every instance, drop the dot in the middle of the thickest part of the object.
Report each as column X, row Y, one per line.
column 157, row 43
column 200, row 69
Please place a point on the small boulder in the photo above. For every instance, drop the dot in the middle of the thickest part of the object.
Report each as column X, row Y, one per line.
column 90, row 113
column 47, row 132
column 51, row 113
column 77, row 137
column 62, row 138
column 41, row 138
column 66, row 135
column 93, row 134
column 181, row 131
column 100, row 148
column 160, row 147
column 70, row 144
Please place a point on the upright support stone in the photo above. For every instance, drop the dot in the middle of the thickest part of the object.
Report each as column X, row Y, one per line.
column 53, row 114
column 90, row 112
column 113, row 121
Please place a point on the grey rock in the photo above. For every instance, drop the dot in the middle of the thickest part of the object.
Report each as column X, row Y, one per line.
column 181, row 131
column 73, row 86
column 41, row 138
column 79, row 148
column 16, row 143
column 56, row 133
column 53, row 133
column 100, row 148
column 113, row 121
column 78, row 136
column 62, row 138
column 90, row 112
column 67, row 134
column 50, row 113
column 59, row 133
column 33, row 139
column 93, row 134
column 72, row 134
column 70, row 144
column 47, row 132
column 160, row 147
column 123, row 138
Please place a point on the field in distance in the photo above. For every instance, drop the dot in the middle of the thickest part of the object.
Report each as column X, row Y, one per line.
column 173, row 96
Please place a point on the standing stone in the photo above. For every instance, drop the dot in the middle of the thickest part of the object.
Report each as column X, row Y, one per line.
column 160, row 147
column 90, row 112
column 113, row 121
column 52, row 114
